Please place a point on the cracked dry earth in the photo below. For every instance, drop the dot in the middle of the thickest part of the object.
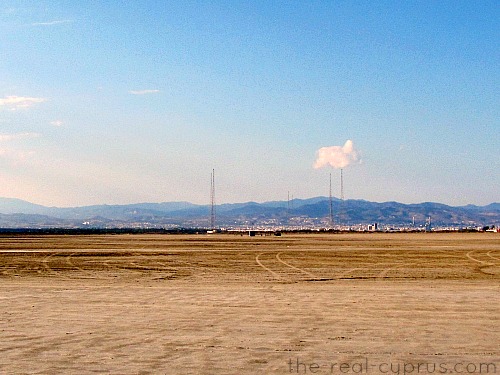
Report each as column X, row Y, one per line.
column 229, row 304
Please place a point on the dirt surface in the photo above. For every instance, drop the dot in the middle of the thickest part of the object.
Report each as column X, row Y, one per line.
column 229, row 304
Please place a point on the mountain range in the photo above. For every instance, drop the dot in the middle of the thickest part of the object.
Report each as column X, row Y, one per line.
column 312, row 212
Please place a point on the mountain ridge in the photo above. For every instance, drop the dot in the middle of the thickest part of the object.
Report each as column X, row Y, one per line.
column 313, row 211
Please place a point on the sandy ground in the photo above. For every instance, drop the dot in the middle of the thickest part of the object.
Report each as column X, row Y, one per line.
column 226, row 304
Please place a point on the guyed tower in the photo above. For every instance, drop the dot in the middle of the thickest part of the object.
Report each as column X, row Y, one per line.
column 341, row 214
column 212, row 200
column 330, row 200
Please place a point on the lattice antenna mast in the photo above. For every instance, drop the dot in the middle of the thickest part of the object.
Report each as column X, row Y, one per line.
column 341, row 219
column 331, row 202
column 288, row 204
column 212, row 200
column 342, row 185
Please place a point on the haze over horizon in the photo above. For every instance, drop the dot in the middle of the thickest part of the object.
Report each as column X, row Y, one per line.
column 186, row 204
column 124, row 103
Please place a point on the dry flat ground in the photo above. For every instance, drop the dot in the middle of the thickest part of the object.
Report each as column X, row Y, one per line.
column 228, row 304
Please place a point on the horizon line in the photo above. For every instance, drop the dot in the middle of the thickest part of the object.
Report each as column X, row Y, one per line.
column 245, row 202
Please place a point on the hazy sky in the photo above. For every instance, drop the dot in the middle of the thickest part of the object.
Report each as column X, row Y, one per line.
column 137, row 101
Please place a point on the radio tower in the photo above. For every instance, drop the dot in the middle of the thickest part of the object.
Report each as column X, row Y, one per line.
column 331, row 202
column 212, row 200
column 342, row 185
column 341, row 195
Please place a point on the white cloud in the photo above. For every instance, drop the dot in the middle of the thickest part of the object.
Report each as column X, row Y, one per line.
column 51, row 23
column 57, row 123
column 19, row 102
column 16, row 136
column 143, row 92
column 337, row 156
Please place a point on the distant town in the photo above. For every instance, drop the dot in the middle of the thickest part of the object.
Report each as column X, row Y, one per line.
column 319, row 214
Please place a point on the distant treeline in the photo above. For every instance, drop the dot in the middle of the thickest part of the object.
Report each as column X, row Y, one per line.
column 76, row 231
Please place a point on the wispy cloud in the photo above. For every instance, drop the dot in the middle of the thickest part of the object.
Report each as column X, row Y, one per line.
column 57, row 123
column 15, row 156
column 19, row 102
column 9, row 11
column 11, row 153
column 15, row 136
column 51, row 23
column 143, row 92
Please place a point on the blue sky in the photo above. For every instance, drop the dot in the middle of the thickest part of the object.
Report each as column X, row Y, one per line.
column 121, row 102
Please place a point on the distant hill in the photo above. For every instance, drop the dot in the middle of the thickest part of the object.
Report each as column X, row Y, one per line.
column 16, row 213
column 14, row 206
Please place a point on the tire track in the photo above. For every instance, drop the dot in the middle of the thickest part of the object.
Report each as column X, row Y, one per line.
column 491, row 256
column 69, row 261
column 344, row 274
column 45, row 263
column 51, row 272
column 9, row 270
column 276, row 275
column 383, row 275
column 191, row 269
column 295, row 268
column 469, row 255
column 163, row 266
column 98, row 274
